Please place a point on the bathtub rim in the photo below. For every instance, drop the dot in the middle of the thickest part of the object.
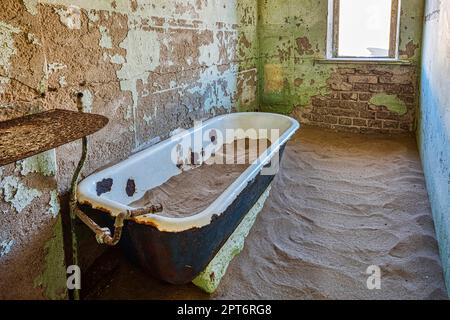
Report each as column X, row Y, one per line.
column 216, row 208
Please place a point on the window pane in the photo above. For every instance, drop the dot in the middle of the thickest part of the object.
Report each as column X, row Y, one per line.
column 364, row 28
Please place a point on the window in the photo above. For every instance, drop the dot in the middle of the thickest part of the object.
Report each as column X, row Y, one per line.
column 363, row 29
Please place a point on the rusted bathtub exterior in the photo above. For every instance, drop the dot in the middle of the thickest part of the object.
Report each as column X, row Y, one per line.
column 176, row 250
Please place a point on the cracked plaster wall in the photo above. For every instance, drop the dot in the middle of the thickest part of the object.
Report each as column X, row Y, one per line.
column 150, row 66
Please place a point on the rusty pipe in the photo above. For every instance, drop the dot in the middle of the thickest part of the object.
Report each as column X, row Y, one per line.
column 103, row 235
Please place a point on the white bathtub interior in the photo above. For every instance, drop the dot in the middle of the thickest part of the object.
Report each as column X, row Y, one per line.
column 154, row 166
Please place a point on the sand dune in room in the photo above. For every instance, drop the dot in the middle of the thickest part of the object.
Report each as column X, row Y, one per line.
column 341, row 203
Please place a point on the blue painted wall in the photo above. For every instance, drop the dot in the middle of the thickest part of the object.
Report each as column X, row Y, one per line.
column 434, row 120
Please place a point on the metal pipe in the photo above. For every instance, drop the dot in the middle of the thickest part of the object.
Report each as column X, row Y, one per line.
column 103, row 235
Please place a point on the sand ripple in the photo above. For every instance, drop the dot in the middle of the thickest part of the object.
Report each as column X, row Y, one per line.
column 339, row 204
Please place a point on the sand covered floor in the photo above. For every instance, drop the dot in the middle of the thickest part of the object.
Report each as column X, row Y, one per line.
column 340, row 203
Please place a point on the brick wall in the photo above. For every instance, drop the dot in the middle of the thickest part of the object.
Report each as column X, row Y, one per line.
column 347, row 106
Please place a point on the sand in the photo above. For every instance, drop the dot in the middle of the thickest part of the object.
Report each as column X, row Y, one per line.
column 340, row 203
column 196, row 189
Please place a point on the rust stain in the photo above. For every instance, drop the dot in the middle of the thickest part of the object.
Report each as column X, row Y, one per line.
column 27, row 136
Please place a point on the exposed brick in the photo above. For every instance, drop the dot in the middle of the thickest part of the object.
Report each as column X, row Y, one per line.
column 349, row 96
column 375, row 123
column 317, row 118
column 320, row 110
column 373, row 107
column 409, row 89
column 386, row 115
column 347, row 70
column 360, row 122
column 387, row 124
column 334, row 104
column 376, row 88
column 398, row 79
column 408, row 98
column 407, row 126
column 347, row 107
column 361, row 87
column 333, row 95
column 367, row 114
column 343, row 113
column 354, row 105
column 341, row 86
column 365, row 96
column 363, row 79
column 319, row 102
column 345, row 121
column 381, row 72
column 331, row 119
column 346, row 104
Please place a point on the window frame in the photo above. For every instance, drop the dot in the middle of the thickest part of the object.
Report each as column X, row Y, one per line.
column 333, row 34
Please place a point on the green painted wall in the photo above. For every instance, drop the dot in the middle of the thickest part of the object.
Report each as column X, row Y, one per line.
column 293, row 36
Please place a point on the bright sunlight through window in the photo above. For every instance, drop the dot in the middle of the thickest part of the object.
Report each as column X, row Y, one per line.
column 365, row 28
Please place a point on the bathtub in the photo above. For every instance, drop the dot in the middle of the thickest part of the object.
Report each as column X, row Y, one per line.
column 172, row 249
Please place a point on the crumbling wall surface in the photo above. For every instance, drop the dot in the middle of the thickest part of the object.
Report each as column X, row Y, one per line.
column 356, row 97
column 150, row 66
column 434, row 120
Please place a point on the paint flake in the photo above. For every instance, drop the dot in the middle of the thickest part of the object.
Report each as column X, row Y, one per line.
column 17, row 194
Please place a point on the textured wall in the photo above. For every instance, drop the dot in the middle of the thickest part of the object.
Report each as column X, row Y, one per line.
column 434, row 120
column 150, row 66
column 352, row 97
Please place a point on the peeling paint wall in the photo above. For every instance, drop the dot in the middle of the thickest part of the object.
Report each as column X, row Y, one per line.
column 150, row 66
column 434, row 120
column 293, row 79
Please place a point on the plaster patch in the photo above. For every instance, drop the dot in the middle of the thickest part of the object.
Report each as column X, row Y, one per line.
column 62, row 82
column 391, row 102
column 93, row 16
column 87, row 101
column 5, row 247
column 53, row 67
column 54, row 204
column 17, row 194
column 43, row 163
column 3, row 83
column 105, row 39
column 70, row 17
column 274, row 80
column 143, row 53
column 31, row 6
column 33, row 39
column 147, row 119
column 7, row 44
column 117, row 59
